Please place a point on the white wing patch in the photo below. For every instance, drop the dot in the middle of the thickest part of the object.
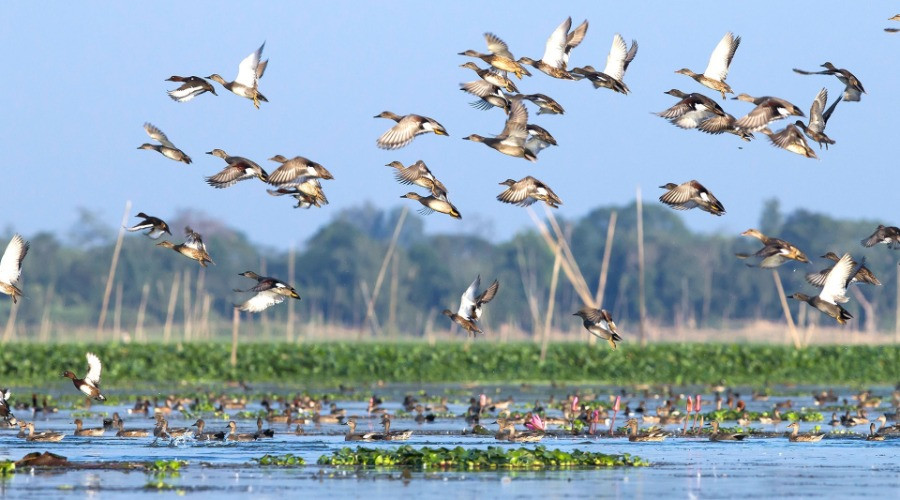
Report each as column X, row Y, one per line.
column 94, row 367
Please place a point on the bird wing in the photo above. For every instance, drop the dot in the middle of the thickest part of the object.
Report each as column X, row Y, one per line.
column 247, row 70
column 518, row 194
column 631, row 53
column 555, row 49
column 193, row 240
column 615, row 60
column 261, row 301
column 158, row 135
column 817, row 279
column 481, row 88
column 94, row 367
column 261, row 69
column 228, row 176
column 593, row 315
column 721, row 57
column 835, row 286
column 517, row 122
column 497, row 46
column 827, row 115
column 11, row 263
column 758, row 118
column 787, row 136
column 400, row 134
column 487, row 295
column 678, row 196
column 573, row 40
column 287, row 172
column 185, row 92
column 467, row 300
column 816, row 117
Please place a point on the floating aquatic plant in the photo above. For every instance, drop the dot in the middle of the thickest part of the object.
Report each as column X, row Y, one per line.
column 494, row 457
column 287, row 460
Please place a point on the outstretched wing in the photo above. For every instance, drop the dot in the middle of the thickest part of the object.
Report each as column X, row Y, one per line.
column 11, row 263
column 721, row 57
column 247, row 70
column 467, row 301
column 261, row 301
column 94, row 367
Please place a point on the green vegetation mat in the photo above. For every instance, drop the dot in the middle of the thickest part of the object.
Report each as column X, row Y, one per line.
column 494, row 457
column 356, row 362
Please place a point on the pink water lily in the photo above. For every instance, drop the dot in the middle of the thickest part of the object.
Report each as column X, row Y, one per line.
column 616, row 406
column 482, row 400
column 575, row 403
column 690, row 404
column 698, row 403
column 535, row 423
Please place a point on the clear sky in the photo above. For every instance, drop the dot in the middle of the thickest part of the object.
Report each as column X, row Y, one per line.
column 82, row 78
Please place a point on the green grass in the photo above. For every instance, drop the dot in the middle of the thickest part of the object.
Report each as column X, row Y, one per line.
column 348, row 362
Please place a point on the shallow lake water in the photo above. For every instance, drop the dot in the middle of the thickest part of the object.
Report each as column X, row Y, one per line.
column 840, row 466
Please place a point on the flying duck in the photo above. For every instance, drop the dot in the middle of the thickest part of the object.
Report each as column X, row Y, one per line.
column 191, row 87
column 11, row 266
column 818, row 119
column 419, row 174
column 238, row 169
column 834, row 291
column 155, row 226
column 853, row 89
column 511, row 140
column 774, row 253
column 691, row 194
column 269, row 291
column 471, row 306
column 599, row 323
column 165, row 146
column 557, row 49
column 498, row 56
column 889, row 235
column 718, row 65
column 90, row 384
column 526, row 191
column 406, row 129
column 864, row 275
column 433, row 203
column 617, row 61
column 192, row 248
column 246, row 83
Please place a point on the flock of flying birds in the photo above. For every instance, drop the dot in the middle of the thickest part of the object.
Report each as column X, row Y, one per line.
column 300, row 177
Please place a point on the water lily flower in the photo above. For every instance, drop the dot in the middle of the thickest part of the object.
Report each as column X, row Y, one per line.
column 535, row 423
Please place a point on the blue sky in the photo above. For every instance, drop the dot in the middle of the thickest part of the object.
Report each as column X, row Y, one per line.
column 86, row 77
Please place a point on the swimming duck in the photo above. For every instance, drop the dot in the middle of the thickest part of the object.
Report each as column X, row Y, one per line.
column 617, row 61
column 853, row 89
column 768, row 109
column 390, row 435
column 864, row 275
column 818, row 119
column 155, row 226
column 492, row 77
column 791, row 139
column 546, row 105
column 511, row 141
column 691, row 194
column 238, row 169
column 599, row 323
column 889, row 235
column 775, row 251
column 234, row 436
column 406, row 129
column 489, row 95
column 419, row 174
column 432, row 204
column 80, row 431
column 557, row 49
column 246, row 83
column 848, row 420
column 165, row 146
column 873, row 436
column 167, row 432
column 263, row 433
column 192, row 248
column 887, row 429
column 471, row 305
column 199, row 435
column 43, row 437
column 90, row 384
column 352, row 435
column 718, row 65
column 498, row 56
column 796, row 437
column 11, row 266
column 269, row 291
column 296, row 171
column 834, row 290
column 130, row 433
column 191, row 87
column 637, row 436
column 715, row 435
column 526, row 191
